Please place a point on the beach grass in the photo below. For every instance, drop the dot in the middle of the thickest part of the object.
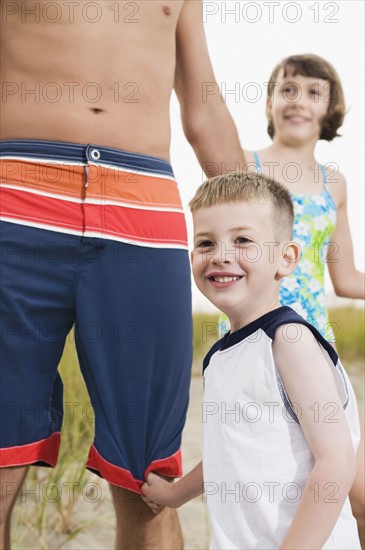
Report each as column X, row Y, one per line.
column 348, row 325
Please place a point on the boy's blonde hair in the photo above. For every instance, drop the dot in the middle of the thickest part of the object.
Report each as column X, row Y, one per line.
column 247, row 187
column 314, row 66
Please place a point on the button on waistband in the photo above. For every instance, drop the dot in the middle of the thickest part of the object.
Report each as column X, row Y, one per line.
column 95, row 154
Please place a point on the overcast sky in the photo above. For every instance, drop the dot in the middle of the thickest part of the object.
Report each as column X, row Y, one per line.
column 246, row 40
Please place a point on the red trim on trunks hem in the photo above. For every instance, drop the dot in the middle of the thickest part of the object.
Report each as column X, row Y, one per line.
column 45, row 450
column 170, row 466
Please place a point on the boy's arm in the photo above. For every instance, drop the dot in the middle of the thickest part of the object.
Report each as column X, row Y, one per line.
column 161, row 492
column 207, row 123
column 309, row 383
column 347, row 281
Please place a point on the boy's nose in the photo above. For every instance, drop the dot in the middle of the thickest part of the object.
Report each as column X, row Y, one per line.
column 224, row 254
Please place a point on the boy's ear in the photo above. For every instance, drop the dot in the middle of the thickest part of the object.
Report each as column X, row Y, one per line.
column 291, row 253
column 191, row 256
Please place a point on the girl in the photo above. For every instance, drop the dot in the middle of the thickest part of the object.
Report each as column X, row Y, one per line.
column 305, row 103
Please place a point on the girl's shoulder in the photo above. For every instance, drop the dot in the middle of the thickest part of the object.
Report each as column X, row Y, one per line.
column 335, row 181
column 249, row 155
column 336, row 184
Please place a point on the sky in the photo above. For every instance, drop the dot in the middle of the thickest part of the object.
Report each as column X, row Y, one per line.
column 245, row 41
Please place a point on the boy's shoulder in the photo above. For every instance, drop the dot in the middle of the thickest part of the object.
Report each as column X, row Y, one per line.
column 285, row 328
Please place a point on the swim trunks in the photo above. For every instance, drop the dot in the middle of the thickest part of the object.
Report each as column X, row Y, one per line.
column 95, row 238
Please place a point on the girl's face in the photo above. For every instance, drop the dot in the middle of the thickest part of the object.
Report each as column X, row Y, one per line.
column 297, row 108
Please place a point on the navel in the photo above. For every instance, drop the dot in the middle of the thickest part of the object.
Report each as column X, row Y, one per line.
column 96, row 110
column 166, row 10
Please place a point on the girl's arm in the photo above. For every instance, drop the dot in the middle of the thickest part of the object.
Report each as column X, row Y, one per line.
column 160, row 492
column 310, row 384
column 347, row 281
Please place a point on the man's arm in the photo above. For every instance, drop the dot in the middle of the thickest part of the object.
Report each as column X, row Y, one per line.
column 157, row 492
column 309, row 383
column 207, row 123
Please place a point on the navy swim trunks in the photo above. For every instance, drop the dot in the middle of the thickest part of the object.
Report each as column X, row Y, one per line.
column 94, row 238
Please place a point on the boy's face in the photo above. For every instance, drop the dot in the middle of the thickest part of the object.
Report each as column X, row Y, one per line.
column 298, row 106
column 236, row 261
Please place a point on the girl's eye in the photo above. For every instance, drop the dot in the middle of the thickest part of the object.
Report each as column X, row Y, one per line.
column 314, row 92
column 290, row 90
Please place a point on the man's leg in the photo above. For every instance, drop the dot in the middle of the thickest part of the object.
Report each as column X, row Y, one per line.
column 137, row 373
column 11, row 480
column 139, row 528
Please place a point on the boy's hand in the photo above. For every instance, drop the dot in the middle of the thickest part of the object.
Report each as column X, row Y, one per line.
column 155, row 508
column 157, row 493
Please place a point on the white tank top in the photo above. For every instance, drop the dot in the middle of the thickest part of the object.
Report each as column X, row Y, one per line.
column 256, row 460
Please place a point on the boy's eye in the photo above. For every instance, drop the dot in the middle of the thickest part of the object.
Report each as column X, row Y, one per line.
column 242, row 240
column 205, row 244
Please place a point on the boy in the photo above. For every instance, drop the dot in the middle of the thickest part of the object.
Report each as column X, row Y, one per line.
column 279, row 413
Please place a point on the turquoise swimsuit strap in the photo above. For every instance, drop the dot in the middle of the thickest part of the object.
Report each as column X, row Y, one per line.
column 257, row 162
column 325, row 180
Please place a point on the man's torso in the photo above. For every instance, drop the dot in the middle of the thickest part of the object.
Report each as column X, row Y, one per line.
column 89, row 72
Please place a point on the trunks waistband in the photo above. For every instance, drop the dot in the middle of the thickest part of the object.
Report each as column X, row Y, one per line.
column 91, row 191
column 59, row 151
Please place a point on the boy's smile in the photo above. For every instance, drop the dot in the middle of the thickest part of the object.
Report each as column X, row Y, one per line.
column 236, row 259
column 222, row 279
